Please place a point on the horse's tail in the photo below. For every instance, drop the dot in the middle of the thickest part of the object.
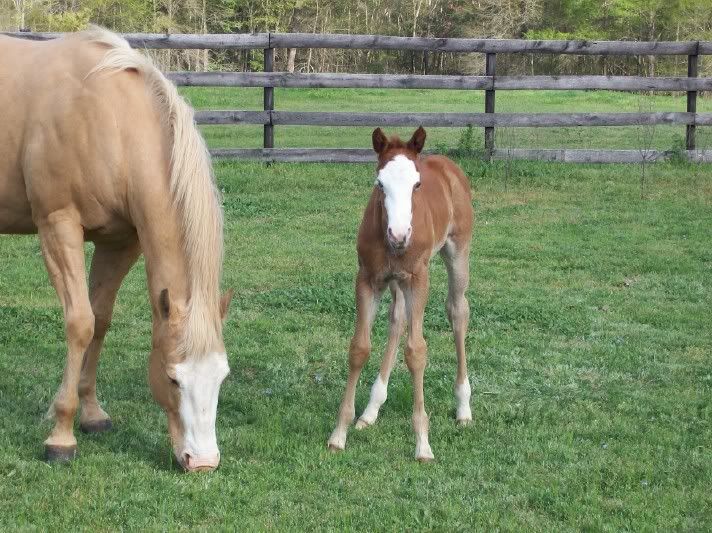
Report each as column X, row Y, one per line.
column 192, row 188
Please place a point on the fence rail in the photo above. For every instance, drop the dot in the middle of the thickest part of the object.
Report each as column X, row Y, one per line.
column 490, row 83
column 387, row 42
column 487, row 120
column 415, row 81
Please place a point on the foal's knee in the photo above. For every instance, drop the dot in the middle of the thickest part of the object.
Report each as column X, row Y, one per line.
column 359, row 353
column 415, row 355
column 458, row 310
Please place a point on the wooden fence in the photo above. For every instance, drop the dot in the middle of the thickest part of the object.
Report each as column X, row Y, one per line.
column 490, row 83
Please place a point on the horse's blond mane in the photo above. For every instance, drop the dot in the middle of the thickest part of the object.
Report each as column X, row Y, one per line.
column 193, row 190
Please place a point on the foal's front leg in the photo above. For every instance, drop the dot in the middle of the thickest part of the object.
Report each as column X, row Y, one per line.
column 416, row 296
column 367, row 297
column 62, row 242
column 379, row 390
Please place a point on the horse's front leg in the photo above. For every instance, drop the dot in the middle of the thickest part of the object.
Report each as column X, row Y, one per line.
column 367, row 298
column 110, row 264
column 62, row 242
column 415, row 291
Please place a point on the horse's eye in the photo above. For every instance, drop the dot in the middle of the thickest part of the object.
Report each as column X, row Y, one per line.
column 174, row 382
column 379, row 185
column 416, row 186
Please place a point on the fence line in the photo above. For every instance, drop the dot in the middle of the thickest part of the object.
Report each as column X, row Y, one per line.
column 486, row 120
column 490, row 83
column 365, row 155
column 432, row 81
column 387, row 42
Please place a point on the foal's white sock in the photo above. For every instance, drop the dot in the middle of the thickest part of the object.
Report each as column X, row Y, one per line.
column 462, row 394
column 379, row 393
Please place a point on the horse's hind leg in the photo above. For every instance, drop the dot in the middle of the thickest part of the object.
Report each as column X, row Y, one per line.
column 110, row 264
column 379, row 390
column 458, row 313
column 62, row 241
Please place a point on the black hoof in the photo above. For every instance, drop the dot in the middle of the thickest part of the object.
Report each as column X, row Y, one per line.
column 98, row 426
column 60, row 454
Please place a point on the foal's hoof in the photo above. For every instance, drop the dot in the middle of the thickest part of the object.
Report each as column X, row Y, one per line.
column 333, row 448
column 363, row 424
column 462, row 422
column 60, row 454
column 96, row 426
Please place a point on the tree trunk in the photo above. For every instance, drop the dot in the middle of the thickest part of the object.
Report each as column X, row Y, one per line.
column 292, row 53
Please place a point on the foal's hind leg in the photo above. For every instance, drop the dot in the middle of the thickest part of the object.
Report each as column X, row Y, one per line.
column 458, row 313
column 109, row 266
column 379, row 390
column 62, row 241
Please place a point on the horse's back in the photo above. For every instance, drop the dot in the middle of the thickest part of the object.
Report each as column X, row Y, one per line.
column 450, row 181
column 72, row 141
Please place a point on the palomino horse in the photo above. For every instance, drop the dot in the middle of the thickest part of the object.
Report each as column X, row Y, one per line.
column 97, row 145
column 419, row 206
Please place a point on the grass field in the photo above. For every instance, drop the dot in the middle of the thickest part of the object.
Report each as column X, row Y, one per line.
column 590, row 354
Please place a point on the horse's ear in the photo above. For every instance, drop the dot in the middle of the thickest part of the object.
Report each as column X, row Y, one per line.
column 225, row 303
column 164, row 304
column 417, row 141
column 380, row 141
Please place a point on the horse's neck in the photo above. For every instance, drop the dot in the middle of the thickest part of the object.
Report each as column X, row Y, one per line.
column 166, row 266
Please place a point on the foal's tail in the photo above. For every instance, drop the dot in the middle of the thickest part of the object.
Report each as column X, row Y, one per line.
column 192, row 187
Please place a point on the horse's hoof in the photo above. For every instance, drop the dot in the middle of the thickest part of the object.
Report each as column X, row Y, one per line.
column 462, row 422
column 60, row 454
column 96, row 426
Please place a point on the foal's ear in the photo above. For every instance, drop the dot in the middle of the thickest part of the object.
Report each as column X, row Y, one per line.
column 417, row 141
column 164, row 304
column 225, row 303
column 380, row 141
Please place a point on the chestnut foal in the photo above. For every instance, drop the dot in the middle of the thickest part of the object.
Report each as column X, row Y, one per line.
column 419, row 206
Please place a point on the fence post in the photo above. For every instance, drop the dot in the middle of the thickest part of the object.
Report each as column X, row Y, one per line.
column 691, row 98
column 268, row 97
column 490, row 65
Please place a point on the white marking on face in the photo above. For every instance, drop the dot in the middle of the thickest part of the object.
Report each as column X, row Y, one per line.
column 200, row 379
column 397, row 179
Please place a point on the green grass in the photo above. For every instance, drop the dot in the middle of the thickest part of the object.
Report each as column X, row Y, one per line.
column 394, row 100
column 589, row 350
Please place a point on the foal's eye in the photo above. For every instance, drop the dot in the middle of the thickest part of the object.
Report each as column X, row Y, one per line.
column 416, row 186
column 379, row 185
column 174, row 382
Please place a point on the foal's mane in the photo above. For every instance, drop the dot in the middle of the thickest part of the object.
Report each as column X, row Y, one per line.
column 192, row 187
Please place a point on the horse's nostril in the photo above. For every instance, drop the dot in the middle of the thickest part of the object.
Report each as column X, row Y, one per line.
column 185, row 459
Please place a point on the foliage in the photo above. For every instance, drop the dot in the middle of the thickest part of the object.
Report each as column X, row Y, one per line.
column 532, row 19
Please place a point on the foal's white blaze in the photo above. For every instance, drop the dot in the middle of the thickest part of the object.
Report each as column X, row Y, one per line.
column 200, row 380
column 398, row 177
